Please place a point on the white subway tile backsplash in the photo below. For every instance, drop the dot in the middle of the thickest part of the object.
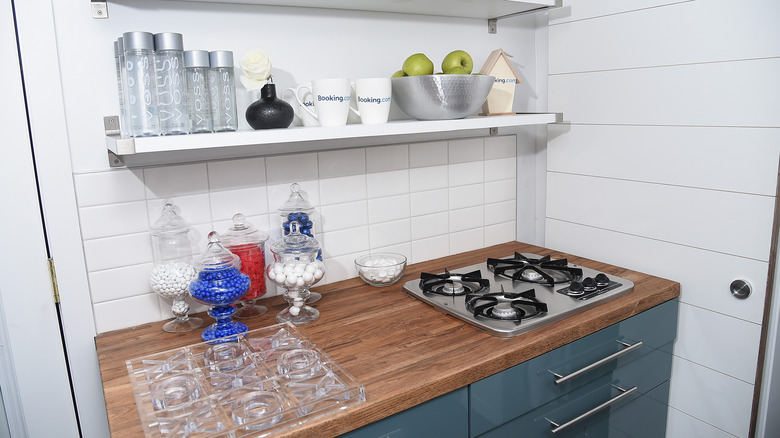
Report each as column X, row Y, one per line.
column 236, row 174
column 498, row 191
column 388, row 208
column 118, row 283
column 466, row 196
column 467, row 241
column 423, row 200
column 343, row 189
column 467, row 218
column 428, row 154
column 500, row 147
column 338, row 243
column 500, row 212
column 386, row 158
column 432, row 201
column 282, row 169
column 117, row 251
column 390, row 183
column 170, row 181
column 390, row 233
column 430, row 225
column 251, row 201
column 111, row 187
column 344, row 216
column 431, row 248
column 500, row 233
column 428, row 178
column 113, row 219
column 465, row 150
column 344, row 162
column 461, row 174
column 500, row 168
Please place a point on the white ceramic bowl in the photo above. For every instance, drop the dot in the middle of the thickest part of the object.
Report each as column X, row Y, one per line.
column 381, row 268
column 441, row 97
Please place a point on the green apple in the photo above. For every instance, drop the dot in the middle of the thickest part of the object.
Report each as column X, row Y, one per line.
column 457, row 71
column 398, row 74
column 417, row 65
column 457, row 58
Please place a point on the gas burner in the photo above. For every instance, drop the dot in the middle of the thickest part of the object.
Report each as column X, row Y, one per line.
column 590, row 287
column 453, row 284
column 542, row 270
column 505, row 306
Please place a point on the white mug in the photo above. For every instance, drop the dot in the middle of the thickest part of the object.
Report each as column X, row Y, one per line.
column 331, row 100
column 306, row 101
column 373, row 96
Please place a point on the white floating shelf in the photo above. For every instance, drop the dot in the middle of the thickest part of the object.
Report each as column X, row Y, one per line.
column 196, row 147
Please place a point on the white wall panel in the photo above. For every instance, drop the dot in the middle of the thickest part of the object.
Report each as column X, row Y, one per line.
column 726, row 222
column 715, row 398
column 738, row 93
column 683, row 33
column 704, row 275
column 686, row 156
column 596, row 8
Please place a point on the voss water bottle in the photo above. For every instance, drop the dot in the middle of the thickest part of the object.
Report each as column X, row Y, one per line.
column 119, row 58
column 222, row 85
column 197, row 66
column 141, row 86
column 171, row 84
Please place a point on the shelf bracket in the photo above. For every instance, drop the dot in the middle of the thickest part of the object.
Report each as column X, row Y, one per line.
column 115, row 160
column 494, row 131
column 492, row 25
column 99, row 9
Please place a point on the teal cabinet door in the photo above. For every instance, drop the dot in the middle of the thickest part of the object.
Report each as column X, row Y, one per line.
column 446, row 416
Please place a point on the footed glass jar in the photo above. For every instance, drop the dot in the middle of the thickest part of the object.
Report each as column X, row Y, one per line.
column 296, row 269
column 298, row 209
column 220, row 283
column 248, row 243
column 173, row 270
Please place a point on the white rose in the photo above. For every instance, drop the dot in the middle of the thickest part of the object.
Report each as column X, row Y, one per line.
column 256, row 67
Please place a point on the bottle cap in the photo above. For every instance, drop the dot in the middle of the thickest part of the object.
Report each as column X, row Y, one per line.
column 221, row 58
column 138, row 41
column 168, row 41
column 196, row 58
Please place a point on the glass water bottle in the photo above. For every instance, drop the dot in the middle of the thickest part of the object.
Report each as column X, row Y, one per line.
column 222, row 85
column 196, row 63
column 141, row 86
column 171, row 84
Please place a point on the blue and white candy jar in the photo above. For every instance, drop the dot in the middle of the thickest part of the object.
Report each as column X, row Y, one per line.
column 219, row 283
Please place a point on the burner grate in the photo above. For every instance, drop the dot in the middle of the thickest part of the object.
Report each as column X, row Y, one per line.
column 505, row 306
column 453, row 284
column 541, row 270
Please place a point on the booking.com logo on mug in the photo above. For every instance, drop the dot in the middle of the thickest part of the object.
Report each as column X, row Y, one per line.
column 376, row 100
column 333, row 98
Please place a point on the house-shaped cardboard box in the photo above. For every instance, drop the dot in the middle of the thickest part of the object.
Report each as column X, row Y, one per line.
column 501, row 97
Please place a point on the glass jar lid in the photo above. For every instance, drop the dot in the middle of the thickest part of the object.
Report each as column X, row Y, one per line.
column 216, row 257
column 170, row 220
column 242, row 232
column 296, row 202
column 295, row 242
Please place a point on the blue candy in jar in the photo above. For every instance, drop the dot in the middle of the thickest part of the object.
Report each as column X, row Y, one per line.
column 220, row 283
column 297, row 209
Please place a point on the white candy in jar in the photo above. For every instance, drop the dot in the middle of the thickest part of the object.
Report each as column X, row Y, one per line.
column 296, row 274
column 172, row 280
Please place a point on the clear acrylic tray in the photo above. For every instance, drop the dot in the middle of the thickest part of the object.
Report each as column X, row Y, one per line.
column 269, row 380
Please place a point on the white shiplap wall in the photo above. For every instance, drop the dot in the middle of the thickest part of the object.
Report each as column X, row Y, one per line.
column 667, row 163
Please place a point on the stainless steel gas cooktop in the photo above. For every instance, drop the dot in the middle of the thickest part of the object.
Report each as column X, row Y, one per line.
column 511, row 296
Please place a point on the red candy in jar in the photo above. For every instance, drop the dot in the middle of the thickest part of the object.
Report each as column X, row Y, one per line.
column 248, row 243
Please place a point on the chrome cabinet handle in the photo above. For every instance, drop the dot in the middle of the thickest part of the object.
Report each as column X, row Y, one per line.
column 629, row 348
column 623, row 394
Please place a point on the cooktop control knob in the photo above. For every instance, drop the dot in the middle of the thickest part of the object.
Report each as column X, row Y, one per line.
column 576, row 288
column 589, row 284
column 601, row 279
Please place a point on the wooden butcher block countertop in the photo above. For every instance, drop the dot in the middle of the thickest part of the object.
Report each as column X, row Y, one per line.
column 402, row 350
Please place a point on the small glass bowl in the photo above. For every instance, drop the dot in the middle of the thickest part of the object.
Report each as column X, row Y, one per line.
column 381, row 269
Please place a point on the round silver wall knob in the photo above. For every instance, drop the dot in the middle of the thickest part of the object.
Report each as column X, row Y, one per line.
column 740, row 289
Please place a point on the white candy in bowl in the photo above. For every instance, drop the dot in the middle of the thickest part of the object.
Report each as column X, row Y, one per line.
column 381, row 269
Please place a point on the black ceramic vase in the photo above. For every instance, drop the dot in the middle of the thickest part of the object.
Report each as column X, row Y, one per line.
column 269, row 112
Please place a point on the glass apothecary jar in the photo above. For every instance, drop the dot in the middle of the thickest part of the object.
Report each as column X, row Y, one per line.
column 248, row 243
column 219, row 283
column 298, row 209
column 173, row 266
column 296, row 269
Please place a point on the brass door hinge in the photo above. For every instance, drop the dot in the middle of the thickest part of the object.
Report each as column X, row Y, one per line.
column 53, row 277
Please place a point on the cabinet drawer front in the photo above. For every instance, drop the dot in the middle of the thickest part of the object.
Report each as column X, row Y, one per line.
column 445, row 417
column 577, row 413
column 511, row 393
